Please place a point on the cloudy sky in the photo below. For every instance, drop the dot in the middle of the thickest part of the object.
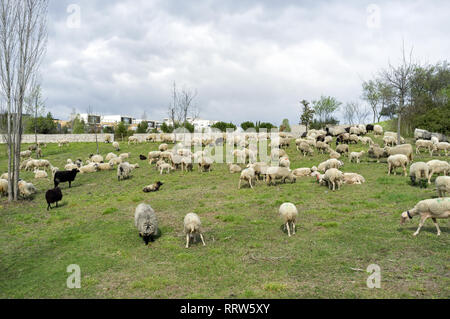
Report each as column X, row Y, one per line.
column 248, row 60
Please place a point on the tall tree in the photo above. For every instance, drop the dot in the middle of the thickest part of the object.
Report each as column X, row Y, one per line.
column 399, row 77
column 307, row 114
column 325, row 107
column 349, row 112
column 371, row 95
column 23, row 38
column 35, row 106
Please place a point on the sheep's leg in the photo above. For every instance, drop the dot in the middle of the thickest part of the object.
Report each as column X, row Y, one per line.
column 422, row 221
column 187, row 241
column 203, row 241
column 437, row 226
column 250, row 182
column 404, row 170
column 293, row 228
column 239, row 186
column 289, row 232
column 429, row 176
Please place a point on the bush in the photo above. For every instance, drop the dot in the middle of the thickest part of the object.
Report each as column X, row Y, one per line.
column 121, row 130
column 246, row 125
column 435, row 120
column 142, row 127
column 222, row 126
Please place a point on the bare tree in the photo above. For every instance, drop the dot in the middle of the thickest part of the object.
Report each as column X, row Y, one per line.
column 92, row 124
column 372, row 96
column 23, row 39
column 186, row 103
column 349, row 112
column 400, row 79
column 34, row 104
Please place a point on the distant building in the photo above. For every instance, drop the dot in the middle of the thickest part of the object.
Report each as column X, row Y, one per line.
column 116, row 119
column 200, row 125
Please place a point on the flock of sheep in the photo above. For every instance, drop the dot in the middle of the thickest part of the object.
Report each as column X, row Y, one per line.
column 276, row 168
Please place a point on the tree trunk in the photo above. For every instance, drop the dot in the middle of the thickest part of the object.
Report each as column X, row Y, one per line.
column 398, row 127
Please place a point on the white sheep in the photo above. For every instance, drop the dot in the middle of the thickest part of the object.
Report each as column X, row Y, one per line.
column 3, row 187
column 442, row 185
column 284, row 162
column 389, row 140
column 165, row 166
column 124, row 156
column 248, row 175
column 133, row 139
column 377, row 130
column 116, row 146
column 163, row 147
column 418, row 170
column 424, row 144
column 110, row 156
column 302, row 172
column 233, row 168
column 398, row 160
column 274, row 172
column 289, row 213
column 192, row 226
column 26, row 189
column 40, row 174
column 356, row 156
column 97, row 159
column 146, row 222
column 331, row 163
column 441, row 146
column 4, row 176
column 116, row 160
column 333, row 177
column 429, row 208
column 437, row 167
column 353, row 178
column 105, row 166
column 124, row 171
column 89, row 168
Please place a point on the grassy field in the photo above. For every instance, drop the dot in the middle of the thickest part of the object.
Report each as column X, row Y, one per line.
column 247, row 254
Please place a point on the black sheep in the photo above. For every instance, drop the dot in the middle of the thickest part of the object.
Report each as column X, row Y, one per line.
column 152, row 188
column 142, row 157
column 369, row 127
column 304, row 134
column 53, row 196
column 65, row 176
column 320, row 138
column 347, row 129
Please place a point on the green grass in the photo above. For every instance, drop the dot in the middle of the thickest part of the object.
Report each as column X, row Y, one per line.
column 247, row 253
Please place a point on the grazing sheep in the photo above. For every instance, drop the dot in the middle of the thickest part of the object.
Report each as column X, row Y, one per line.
column 398, row 160
column 260, row 169
column 366, row 140
column 289, row 213
column 377, row 130
column 25, row 154
column 146, row 222
column 90, row 168
column 110, row 156
column 334, row 154
column 163, row 147
column 233, row 168
column 331, row 163
column 116, row 160
column 124, row 156
column 186, row 164
column 305, row 149
column 4, row 176
column 429, row 208
column 438, row 167
column 441, row 146
column 39, row 152
column 424, row 144
column 389, row 141
column 165, row 166
column 96, row 159
column 3, row 187
column 276, row 154
column 40, row 174
column 442, row 185
column 116, row 146
column 192, row 226
column 434, row 139
column 342, row 149
column 405, row 149
column 53, row 196
column 153, row 187
column 284, row 162
column 353, row 178
column 356, row 156
column 133, row 139
column 124, row 171
column 333, row 177
column 108, row 139
column 26, row 190
column 353, row 138
column 322, row 147
column 375, row 151
column 32, row 147
column 153, row 156
column 273, row 173
column 65, row 176
column 70, row 167
column 205, row 164
column 417, row 171
column 247, row 174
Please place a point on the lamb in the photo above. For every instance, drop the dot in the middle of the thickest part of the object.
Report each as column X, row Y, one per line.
column 389, row 140
column 163, row 147
column 398, row 160
column 417, row 171
column 124, row 171
column 405, row 149
column 441, row 146
column 331, row 163
column 332, row 177
column 110, row 156
column 289, row 213
column 3, row 187
column 437, row 166
column 165, row 166
column 90, row 168
column 356, row 156
column 260, row 169
column 205, row 164
column 377, row 130
column 353, row 178
column 153, row 156
column 40, row 174
column 146, row 222
column 116, row 146
column 26, row 190
column 273, row 173
column 442, row 185
column 192, row 226
column 247, row 174
column 65, row 176
column 153, row 187
column 394, row 135
column 186, row 164
column 25, row 154
column 53, row 196
column 424, row 144
column 342, row 149
column 429, row 208
column 233, row 168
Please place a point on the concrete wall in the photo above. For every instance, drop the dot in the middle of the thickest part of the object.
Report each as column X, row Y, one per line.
column 56, row 138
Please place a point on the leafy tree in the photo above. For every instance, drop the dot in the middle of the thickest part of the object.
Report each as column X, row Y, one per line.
column 307, row 115
column 222, row 126
column 325, row 107
column 246, row 125
column 122, row 129
column 108, row 129
column 167, row 128
column 371, row 95
column 142, row 127
column 78, row 126
column 268, row 126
